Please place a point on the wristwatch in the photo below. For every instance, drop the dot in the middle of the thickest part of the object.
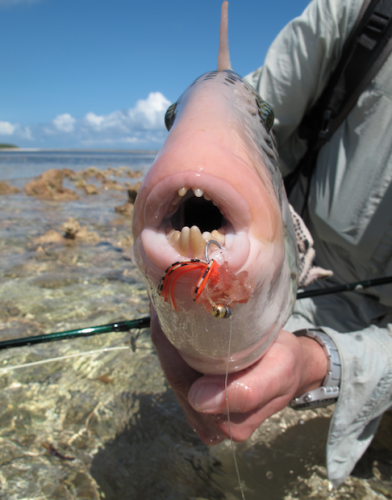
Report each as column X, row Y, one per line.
column 329, row 391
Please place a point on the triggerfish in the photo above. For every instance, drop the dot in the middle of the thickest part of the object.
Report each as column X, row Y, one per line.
column 216, row 179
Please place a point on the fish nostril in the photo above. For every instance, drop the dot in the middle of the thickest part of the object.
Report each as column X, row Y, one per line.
column 198, row 212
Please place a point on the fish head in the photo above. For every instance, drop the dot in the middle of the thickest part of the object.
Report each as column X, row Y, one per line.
column 216, row 178
column 211, row 175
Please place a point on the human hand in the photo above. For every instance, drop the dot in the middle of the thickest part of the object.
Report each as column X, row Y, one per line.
column 289, row 368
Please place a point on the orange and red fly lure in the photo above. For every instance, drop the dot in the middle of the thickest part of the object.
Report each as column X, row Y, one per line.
column 178, row 269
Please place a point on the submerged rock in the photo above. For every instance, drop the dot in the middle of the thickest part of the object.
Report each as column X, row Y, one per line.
column 133, row 191
column 127, row 208
column 73, row 231
column 91, row 189
column 8, row 310
column 80, row 182
column 109, row 184
column 68, row 172
column 51, row 236
column 134, row 174
column 55, row 280
column 70, row 228
column 49, row 186
column 7, row 189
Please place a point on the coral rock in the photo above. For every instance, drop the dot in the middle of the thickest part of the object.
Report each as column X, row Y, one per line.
column 133, row 191
column 70, row 228
column 73, row 231
column 49, row 186
column 134, row 174
column 80, row 183
column 7, row 189
column 51, row 236
column 108, row 184
column 126, row 209
column 91, row 189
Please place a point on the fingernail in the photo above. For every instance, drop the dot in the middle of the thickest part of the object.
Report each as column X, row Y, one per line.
column 206, row 397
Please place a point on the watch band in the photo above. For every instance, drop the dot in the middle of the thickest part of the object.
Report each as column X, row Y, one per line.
column 329, row 391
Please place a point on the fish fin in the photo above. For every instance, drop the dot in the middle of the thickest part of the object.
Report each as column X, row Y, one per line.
column 224, row 55
column 308, row 272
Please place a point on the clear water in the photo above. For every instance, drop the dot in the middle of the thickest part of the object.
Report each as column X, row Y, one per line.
column 27, row 164
column 112, row 411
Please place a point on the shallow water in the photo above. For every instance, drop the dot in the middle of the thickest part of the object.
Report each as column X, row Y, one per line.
column 27, row 164
column 104, row 405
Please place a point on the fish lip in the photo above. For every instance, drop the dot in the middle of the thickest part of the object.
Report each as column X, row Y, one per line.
column 232, row 205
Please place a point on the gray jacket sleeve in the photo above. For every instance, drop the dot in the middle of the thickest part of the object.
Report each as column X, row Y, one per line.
column 294, row 74
column 365, row 393
column 366, row 371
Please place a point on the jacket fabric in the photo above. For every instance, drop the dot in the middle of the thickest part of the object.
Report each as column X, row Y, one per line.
column 349, row 215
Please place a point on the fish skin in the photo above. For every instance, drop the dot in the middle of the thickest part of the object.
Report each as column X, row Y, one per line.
column 219, row 142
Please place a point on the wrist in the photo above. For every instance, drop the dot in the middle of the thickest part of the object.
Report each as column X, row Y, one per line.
column 315, row 365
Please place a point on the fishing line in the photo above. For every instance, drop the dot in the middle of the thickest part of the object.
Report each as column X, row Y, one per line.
column 59, row 358
column 228, row 413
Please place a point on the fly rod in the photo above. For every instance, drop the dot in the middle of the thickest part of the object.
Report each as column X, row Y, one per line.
column 125, row 326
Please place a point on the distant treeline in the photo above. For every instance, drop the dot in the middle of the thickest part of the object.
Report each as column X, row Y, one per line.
column 8, row 146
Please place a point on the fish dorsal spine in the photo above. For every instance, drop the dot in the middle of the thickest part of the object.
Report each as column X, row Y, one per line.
column 224, row 55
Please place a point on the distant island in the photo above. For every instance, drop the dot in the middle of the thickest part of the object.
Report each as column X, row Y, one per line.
column 8, row 146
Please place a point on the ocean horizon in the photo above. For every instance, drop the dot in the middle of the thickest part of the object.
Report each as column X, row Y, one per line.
column 26, row 163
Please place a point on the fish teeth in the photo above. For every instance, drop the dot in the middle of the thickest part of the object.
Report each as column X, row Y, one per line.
column 218, row 236
column 190, row 243
column 198, row 192
column 174, row 237
column 197, row 243
column 215, row 235
column 183, row 242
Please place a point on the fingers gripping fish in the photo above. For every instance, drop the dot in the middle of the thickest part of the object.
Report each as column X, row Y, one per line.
column 217, row 178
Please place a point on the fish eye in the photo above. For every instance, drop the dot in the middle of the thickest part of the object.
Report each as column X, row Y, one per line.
column 170, row 116
column 266, row 113
column 269, row 120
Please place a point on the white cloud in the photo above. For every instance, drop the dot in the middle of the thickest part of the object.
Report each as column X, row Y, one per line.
column 114, row 121
column 7, row 128
column 141, row 127
column 150, row 112
column 64, row 123
column 93, row 120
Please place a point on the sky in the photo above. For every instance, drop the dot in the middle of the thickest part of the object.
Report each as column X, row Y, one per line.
column 100, row 74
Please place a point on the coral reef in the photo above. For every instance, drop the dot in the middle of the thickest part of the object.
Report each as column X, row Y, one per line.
column 49, row 186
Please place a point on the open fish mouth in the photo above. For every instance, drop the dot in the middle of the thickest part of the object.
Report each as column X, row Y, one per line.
column 187, row 210
column 195, row 221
